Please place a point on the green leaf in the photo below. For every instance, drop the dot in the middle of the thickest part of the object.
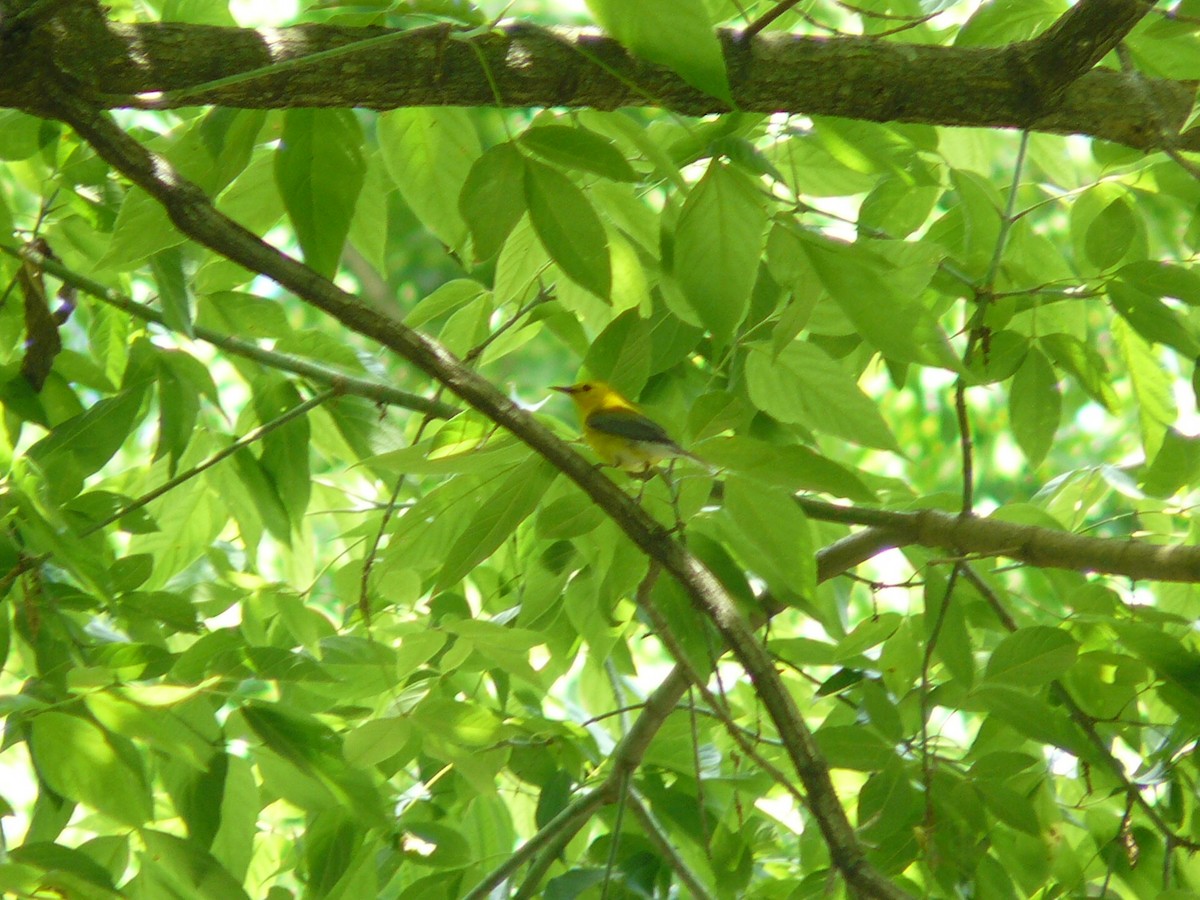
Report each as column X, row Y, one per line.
column 1177, row 665
column 496, row 518
column 804, row 386
column 622, row 354
column 161, row 729
column 571, row 516
column 319, row 168
column 991, row 25
column 65, row 871
column 20, row 135
column 1034, row 407
column 673, row 33
column 522, row 266
column 1110, row 234
column 569, row 228
column 1031, row 656
column 1162, row 279
column 86, row 442
column 865, row 287
column 853, row 747
column 316, row 751
column 1151, row 386
column 377, row 740
column 429, row 153
column 867, row 634
column 579, row 148
column 1033, row 717
column 332, row 839
column 1176, row 464
column 80, row 762
column 1153, row 319
column 718, row 244
column 178, row 407
column 447, row 298
column 888, row 803
column 369, row 227
column 1011, row 808
column 955, row 646
column 791, row 467
column 811, row 169
column 1085, row 364
column 771, row 535
column 184, row 868
column 493, row 198
column 173, row 293
column 263, row 494
column 253, row 200
column 246, row 315
column 142, row 229
column 129, row 572
column 897, row 207
column 285, row 450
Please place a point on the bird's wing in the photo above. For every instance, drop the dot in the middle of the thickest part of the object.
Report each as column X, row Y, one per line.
column 628, row 424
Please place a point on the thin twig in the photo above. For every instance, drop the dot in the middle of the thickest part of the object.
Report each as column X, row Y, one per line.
column 241, row 443
column 285, row 362
column 1085, row 722
column 657, row 836
column 663, row 630
column 768, row 17
column 927, row 759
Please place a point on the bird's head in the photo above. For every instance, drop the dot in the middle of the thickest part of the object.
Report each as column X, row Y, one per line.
column 589, row 395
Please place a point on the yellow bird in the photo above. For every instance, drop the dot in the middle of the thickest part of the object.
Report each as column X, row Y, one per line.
column 620, row 433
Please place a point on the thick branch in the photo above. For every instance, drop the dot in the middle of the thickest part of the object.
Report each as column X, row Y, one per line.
column 1083, row 36
column 1037, row 546
column 1035, row 84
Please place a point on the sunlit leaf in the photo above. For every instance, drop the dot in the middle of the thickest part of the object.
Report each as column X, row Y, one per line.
column 429, row 153
column 673, row 33
column 803, row 385
column 319, row 168
column 568, row 227
column 718, row 243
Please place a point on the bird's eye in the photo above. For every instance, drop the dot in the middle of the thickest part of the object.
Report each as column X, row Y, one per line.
column 586, row 387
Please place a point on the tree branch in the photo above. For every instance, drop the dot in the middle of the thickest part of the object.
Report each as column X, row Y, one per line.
column 1035, row 84
column 628, row 754
column 285, row 362
column 1031, row 544
column 1083, row 36
column 195, row 216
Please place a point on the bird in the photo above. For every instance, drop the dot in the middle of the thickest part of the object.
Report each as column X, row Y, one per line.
column 620, row 433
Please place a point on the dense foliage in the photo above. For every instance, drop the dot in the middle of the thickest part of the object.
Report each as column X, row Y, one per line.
column 284, row 616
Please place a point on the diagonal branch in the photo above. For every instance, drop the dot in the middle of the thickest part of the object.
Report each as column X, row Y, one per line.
column 195, row 216
column 627, row 756
column 285, row 362
column 1073, row 45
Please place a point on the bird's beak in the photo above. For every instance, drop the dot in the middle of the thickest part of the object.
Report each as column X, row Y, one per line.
column 565, row 389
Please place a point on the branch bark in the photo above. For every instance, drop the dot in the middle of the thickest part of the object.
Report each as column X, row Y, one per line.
column 1046, row 84
column 1031, row 544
